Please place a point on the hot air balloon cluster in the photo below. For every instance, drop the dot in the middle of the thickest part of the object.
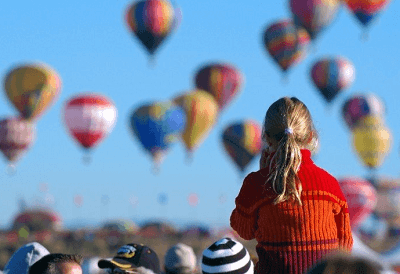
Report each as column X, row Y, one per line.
column 364, row 115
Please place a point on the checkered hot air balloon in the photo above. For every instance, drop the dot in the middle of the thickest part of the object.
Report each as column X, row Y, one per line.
column 89, row 118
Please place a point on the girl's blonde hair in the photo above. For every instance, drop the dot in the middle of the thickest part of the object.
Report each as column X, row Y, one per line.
column 289, row 123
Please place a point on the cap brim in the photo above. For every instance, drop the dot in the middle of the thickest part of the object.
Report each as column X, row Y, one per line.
column 115, row 262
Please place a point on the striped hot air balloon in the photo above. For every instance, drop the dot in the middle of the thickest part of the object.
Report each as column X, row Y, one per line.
column 286, row 43
column 89, row 118
column 242, row 142
column 332, row 75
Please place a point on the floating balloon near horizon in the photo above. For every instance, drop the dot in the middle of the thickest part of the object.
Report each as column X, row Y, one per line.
column 332, row 75
column 201, row 111
column 89, row 118
column 152, row 21
column 16, row 137
column 157, row 126
column 221, row 80
column 32, row 88
column 361, row 198
column 78, row 200
column 286, row 43
column 193, row 199
column 359, row 106
column 372, row 141
column 314, row 15
column 242, row 142
column 366, row 10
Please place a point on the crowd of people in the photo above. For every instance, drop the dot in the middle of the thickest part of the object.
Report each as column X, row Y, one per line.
column 294, row 209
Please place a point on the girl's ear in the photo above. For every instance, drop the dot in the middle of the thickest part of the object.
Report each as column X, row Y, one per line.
column 310, row 138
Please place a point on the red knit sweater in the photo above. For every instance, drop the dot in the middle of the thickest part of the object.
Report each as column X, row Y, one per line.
column 292, row 238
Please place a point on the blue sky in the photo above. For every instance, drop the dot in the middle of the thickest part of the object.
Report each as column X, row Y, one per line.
column 89, row 45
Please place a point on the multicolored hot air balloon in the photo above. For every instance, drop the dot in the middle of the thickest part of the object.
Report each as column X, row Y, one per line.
column 157, row 126
column 372, row 141
column 242, row 142
column 366, row 10
column 361, row 198
column 152, row 21
column 388, row 198
column 16, row 137
column 359, row 106
column 89, row 118
column 223, row 81
column 32, row 88
column 286, row 43
column 314, row 15
column 332, row 75
column 201, row 111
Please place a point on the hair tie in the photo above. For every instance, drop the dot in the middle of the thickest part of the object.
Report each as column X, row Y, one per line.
column 288, row 130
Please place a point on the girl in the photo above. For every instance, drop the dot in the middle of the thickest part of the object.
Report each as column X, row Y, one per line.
column 294, row 209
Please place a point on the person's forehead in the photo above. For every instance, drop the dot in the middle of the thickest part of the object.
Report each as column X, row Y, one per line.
column 69, row 268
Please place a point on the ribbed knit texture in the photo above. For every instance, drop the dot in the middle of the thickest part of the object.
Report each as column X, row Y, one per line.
column 292, row 238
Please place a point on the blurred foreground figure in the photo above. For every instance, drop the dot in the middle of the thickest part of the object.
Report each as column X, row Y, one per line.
column 180, row 259
column 226, row 256
column 345, row 264
column 24, row 257
column 57, row 263
column 133, row 258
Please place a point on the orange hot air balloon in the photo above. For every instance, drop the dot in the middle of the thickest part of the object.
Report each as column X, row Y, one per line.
column 223, row 81
column 201, row 113
column 32, row 88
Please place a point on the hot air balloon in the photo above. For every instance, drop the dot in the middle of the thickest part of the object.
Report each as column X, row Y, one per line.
column 89, row 118
column 16, row 137
column 388, row 198
column 286, row 43
column 314, row 15
column 359, row 106
column 201, row 111
column 366, row 10
column 223, row 81
column 242, row 142
column 361, row 198
column 332, row 75
column 157, row 126
column 152, row 21
column 32, row 88
column 372, row 141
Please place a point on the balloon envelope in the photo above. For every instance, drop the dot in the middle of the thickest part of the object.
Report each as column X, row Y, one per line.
column 359, row 106
column 314, row 15
column 242, row 142
column 157, row 126
column 366, row 10
column 361, row 198
column 89, row 118
column 32, row 88
column 223, row 81
column 16, row 137
column 151, row 21
column 286, row 43
column 372, row 142
column 332, row 75
column 201, row 111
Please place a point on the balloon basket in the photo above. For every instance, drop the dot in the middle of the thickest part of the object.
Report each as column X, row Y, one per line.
column 155, row 170
column 11, row 169
column 152, row 61
column 87, row 159
column 364, row 37
column 189, row 158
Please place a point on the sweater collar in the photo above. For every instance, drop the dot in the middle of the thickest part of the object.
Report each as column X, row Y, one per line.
column 305, row 158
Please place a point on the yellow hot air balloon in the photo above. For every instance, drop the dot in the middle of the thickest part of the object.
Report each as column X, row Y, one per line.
column 372, row 141
column 201, row 111
column 32, row 88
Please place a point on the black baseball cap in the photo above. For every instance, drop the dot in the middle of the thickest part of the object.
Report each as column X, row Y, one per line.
column 133, row 256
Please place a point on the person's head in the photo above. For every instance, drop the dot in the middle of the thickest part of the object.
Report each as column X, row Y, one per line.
column 180, row 259
column 57, row 263
column 25, row 257
column 133, row 258
column 226, row 256
column 345, row 264
column 288, row 128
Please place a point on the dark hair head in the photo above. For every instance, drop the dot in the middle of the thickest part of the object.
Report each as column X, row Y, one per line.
column 345, row 264
column 47, row 264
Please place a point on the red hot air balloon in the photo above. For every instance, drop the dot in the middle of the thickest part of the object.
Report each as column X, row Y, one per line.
column 16, row 136
column 361, row 198
column 223, row 81
column 89, row 118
